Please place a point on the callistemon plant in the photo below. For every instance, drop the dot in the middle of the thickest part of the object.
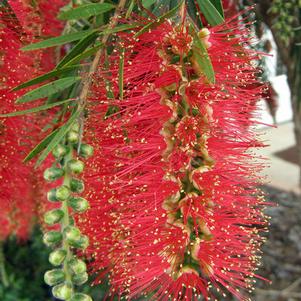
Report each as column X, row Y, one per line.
column 148, row 147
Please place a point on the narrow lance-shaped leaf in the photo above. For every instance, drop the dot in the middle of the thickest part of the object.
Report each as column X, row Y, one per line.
column 148, row 3
column 193, row 13
column 87, row 53
column 56, row 41
column 38, row 148
column 201, row 58
column 108, row 83
column 4, row 3
column 77, row 54
column 56, row 139
column 44, row 77
column 121, row 72
column 130, row 8
column 78, row 48
column 37, row 109
column 219, row 6
column 48, row 89
column 85, row 11
column 173, row 3
column 211, row 14
column 159, row 20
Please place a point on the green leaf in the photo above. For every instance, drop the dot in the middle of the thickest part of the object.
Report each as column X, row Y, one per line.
column 78, row 48
column 48, row 89
column 62, row 131
column 159, row 20
column 148, row 3
column 94, row 49
column 211, row 14
column 4, row 4
column 121, row 73
column 173, row 3
column 130, row 9
column 219, row 6
column 56, row 41
column 44, row 77
column 161, row 5
column 108, row 83
column 38, row 148
column 86, row 11
column 202, row 58
column 37, row 109
column 89, row 52
column 193, row 13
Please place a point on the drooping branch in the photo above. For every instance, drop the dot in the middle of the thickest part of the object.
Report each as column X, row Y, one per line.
column 89, row 78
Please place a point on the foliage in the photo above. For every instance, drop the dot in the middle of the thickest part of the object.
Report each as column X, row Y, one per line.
column 26, row 263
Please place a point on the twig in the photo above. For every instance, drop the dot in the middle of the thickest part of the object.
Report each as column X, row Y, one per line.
column 88, row 80
column 85, row 90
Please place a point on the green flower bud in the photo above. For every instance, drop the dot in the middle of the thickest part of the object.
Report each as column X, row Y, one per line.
column 54, row 277
column 57, row 257
column 78, row 204
column 72, row 137
column 62, row 291
column 86, row 150
column 80, row 297
column 277, row 26
column 80, row 279
column 72, row 234
column 54, row 216
column 76, row 166
column 77, row 266
column 51, row 195
column 52, row 238
column 82, row 243
column 274, row 10
column 53, row 173
column 77, row 185
column 62, row 193
column 60, row 151
column 75, row 127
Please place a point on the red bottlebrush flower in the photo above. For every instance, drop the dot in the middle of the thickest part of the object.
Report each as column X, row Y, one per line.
column 174, row 204
column 15, row 177
column 19, row 197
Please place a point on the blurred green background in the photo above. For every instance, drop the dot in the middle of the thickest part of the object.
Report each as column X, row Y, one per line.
column 25, row 264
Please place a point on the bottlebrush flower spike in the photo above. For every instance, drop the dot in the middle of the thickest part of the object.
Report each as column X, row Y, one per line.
column 15, row 179
column 18, row 183
column 174, row 204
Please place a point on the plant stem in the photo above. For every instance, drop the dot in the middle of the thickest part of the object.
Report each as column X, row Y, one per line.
column 66, row 220
column 86, row 86
column 3, row 273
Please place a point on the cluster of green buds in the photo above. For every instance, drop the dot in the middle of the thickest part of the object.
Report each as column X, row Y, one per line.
column 69, row 271
column 285, row 16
